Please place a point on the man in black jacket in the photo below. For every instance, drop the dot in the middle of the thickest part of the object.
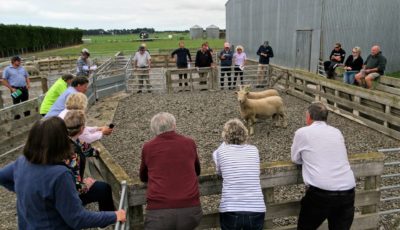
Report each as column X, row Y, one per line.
column 335, row 58
column 203, row 59
column 265, row 52
column 181, row 56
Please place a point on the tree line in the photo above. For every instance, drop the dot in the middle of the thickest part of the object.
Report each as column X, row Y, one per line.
column 19, row 39
column 117, row 31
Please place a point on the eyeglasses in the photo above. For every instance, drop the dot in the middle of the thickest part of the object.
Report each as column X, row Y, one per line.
column 337, row 47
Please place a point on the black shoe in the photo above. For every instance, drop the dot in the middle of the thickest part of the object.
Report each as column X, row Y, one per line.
column 140, row 91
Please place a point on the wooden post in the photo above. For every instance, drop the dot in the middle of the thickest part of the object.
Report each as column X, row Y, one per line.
column 1, row 100
column 45, row 87
column 136, row 217
column 337, row 96
column 357, row 100
column 269, row 198
column 371, row 182
column 168, row 81
column 387, row 111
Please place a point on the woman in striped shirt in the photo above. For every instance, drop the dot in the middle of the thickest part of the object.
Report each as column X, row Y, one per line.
column 242, row 203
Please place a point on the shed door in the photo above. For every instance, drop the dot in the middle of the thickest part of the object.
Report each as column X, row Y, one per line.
column 303, row 49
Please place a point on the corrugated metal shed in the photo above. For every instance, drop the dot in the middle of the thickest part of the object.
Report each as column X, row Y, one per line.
column 308, row 29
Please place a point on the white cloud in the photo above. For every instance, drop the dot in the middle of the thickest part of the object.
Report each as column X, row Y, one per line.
column 159, row 14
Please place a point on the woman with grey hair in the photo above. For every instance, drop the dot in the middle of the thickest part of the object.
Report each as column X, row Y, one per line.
column 242, row 203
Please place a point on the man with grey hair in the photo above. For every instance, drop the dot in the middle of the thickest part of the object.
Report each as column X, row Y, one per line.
column 170, row 167
column 321, row 150
column 373, row 68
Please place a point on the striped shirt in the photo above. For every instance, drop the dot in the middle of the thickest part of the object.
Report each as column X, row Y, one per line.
column 239, row 166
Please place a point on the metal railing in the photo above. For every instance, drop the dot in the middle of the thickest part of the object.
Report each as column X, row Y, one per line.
column 391, row 186
column 123, row 204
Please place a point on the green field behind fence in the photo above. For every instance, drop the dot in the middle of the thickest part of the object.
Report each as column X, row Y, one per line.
column 106, row 45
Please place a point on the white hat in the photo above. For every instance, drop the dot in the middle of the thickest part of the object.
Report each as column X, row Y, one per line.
column 84, row 50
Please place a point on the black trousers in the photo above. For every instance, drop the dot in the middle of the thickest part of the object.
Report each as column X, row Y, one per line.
column 23, row 97
column 99, row 192
column 225, row 70
column 318, row 205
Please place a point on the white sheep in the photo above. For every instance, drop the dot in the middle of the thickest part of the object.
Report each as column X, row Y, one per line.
column 259, row 94
column 263, row 108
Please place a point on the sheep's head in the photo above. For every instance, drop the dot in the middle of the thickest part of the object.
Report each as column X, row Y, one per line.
column 242, row 96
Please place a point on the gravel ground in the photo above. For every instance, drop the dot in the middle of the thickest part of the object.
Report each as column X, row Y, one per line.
column 8, row 212
column 201, row 116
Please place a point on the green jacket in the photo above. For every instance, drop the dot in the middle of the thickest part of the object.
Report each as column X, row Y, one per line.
column 51, row 96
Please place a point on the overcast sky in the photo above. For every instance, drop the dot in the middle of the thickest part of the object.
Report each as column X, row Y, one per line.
column 114, row 14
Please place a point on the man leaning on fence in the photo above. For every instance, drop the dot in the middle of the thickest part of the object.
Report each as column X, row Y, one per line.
column 170, row 167
column 373, row 68
column 320, row 149
column 203, row 59
column 182, row 55
column 141, row 64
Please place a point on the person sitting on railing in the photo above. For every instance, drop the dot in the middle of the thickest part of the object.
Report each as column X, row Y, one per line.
column 142, row 65
column 90, row 190
column 170, row 167
column 239, row 60
column 373, row 68
column 79, row 84
column 54, row 92
column 203, row 59
column 226, row 56
column 45, row 187
column 78, row 101
column 182, row 55
column 352, row 65
column 330, row 183
column 239, row 165
column 336, row 58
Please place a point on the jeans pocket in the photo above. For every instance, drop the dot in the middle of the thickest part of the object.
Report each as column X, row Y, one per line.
column 257, row 220
column 228, row 221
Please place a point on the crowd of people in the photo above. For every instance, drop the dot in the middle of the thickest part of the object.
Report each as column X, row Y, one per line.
column 357, row 71
column 49, row 177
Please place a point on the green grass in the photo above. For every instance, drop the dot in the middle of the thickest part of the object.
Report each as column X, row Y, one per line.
column 394, row 74
column 106, row 45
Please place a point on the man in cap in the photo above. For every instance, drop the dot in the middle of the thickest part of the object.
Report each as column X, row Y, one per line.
column 226, row 64
column 265, row 52
column 16, row 78
column 141, row 65
column 83, row 63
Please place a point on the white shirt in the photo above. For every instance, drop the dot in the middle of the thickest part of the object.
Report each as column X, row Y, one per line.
column 142, row 59
column 89, row 135
column 239, row 166
column 239, row 58
column 321, row 149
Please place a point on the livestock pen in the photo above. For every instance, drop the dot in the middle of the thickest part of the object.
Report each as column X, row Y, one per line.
column 201, row 115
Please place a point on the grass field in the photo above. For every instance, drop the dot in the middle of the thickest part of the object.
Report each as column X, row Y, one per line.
column 106, row 45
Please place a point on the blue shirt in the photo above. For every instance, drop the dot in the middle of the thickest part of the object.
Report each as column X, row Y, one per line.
column 59, row 105
column 47, row 198
column 16, row 77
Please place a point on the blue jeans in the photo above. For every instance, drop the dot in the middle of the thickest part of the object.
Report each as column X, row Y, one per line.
column 242, row 220
column 348, row 77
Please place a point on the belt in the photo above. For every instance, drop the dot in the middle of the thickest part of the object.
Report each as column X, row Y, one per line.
column 331, row 193
column 19, row 87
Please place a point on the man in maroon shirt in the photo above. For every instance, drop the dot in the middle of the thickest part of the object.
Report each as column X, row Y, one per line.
column 170, row 167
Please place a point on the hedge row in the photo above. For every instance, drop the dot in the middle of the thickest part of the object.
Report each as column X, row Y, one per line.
column 17, row 39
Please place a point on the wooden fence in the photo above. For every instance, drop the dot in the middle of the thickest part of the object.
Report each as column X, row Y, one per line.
column 367, row 168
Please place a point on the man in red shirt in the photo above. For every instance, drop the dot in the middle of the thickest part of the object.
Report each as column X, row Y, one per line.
column 170, row 167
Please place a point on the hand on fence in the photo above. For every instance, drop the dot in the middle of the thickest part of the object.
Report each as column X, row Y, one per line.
column 121, row 215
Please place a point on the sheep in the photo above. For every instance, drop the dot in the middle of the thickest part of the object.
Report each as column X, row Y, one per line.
column 259, row 94
column 32, row 70
column 250, row 109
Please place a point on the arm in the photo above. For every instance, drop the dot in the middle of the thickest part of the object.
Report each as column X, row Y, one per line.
column 69, row 206
column 189, row 56
column 28, row 81
column 196, row 64
column 90, row 135
column 381, row 65
column 173, row 53
column 259, row 51
column 271, row 53
column 143, row 173
column 149, row 60
column 6, row 84
column 197, row 167
column 7, row 177
column 297, row 148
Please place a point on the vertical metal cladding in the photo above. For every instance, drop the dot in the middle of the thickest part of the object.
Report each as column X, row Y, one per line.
column 353, row 23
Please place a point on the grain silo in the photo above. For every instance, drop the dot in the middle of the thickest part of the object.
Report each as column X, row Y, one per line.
column 212, row 32
column 196, row 32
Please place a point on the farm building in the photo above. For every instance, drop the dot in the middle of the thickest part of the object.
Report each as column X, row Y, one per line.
column 212, row 32
column 304, row 31
column 196, row 32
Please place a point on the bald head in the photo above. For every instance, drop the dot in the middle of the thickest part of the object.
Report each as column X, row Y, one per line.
column 375, row 50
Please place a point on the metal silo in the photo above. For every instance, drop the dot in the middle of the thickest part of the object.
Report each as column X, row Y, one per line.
column 212, row 32
column 196, row 32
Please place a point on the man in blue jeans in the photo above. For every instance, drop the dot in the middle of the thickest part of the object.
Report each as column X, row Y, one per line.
column 330, row 183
